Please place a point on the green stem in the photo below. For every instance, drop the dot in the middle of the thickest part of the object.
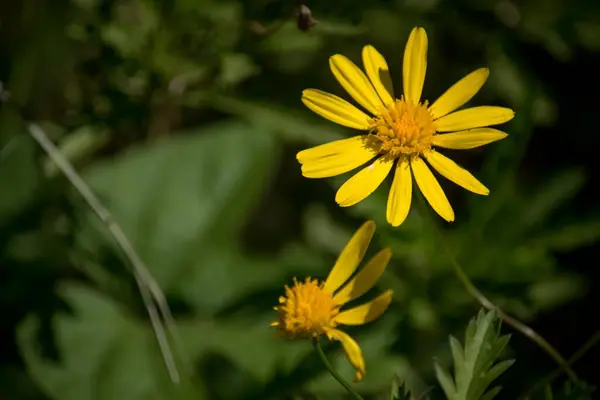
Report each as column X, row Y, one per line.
column 149, row 289
column 332, row 371
column 485, row 302
column 590, row 343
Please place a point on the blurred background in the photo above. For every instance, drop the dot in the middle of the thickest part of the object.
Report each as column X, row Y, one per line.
column 184, row 116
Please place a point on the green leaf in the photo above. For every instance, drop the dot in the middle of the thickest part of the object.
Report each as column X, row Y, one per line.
column 558, row 190
column 77, row 146
column 19, row 172
column 236, row 68
column 290, row 124
column 104, row 353
column 130, row 37
column 107, row 353
column 570, row 236
column 445, row 381
column 570, row 391
column 549, row 293
column 491, row 393
column 182, row 202
column 399, row 390
column 474, row 366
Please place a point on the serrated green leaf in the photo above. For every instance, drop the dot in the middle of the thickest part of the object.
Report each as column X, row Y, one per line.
column 474, row 369
column 445, row 381
column 490, row 376
column 398, row 390
column 458, row 354
column 493, row 392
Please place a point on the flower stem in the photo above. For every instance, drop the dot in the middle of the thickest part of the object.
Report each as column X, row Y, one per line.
column 486, row 303
column 332, row 371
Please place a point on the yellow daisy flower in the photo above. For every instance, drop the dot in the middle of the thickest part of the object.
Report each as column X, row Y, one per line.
column 311, row 308
column 401, row 132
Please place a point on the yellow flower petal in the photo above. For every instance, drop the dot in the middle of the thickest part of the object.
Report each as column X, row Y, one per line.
column 455, row 172
column 355, row 82
column 335, row 148
column 335, row 158
column 400, row 196
column 459, row 93
column 350, row 257
column 363, row 183
column 365, row 279
column 379, row 73
column 335, row 109
column 474, row 117
column 431, row 189
column 366, row 312
column 352, row 350
column 415, row 65
column 468, row 139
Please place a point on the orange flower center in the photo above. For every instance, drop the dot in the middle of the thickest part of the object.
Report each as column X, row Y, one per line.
column 404, row 129
column 306, row 310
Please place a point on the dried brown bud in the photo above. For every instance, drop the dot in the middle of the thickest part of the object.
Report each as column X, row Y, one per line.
column 305, row 19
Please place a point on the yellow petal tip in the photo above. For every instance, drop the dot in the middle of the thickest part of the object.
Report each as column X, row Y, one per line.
column 343, row 202
column 370, row 224
column 335, row 57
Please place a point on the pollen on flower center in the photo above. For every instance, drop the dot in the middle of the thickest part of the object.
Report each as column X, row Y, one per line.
column 404, row 129
column 306, row 310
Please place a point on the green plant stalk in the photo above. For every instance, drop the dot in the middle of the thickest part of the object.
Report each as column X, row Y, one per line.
column 590, row 343
column 486, row 303
column 329, row 367
column 149, row 289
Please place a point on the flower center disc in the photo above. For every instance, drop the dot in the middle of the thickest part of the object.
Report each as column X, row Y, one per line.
column 404, row 129
column 306, row 309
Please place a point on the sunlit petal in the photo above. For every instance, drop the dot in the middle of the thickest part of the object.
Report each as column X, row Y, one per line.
column 400, row 196
column 415, row 65
column 352, row 350
column 455, row 172
column 475, row 117
column 364, row 182
column 379, row 73
column 459, row 93
column 350, row 257
column 366, row 312
column 468, row 139
column 365, row 279
column 431, row 189
column 355, row 82
column 335, row 158
column 335, row 109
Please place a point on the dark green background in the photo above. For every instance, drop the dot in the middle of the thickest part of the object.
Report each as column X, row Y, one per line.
column 185, row 118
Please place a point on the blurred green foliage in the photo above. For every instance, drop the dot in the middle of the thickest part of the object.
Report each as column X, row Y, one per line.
column 184, row 117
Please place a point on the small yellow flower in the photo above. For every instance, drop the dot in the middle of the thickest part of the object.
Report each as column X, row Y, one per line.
column 311, row 308
column 401, row 132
